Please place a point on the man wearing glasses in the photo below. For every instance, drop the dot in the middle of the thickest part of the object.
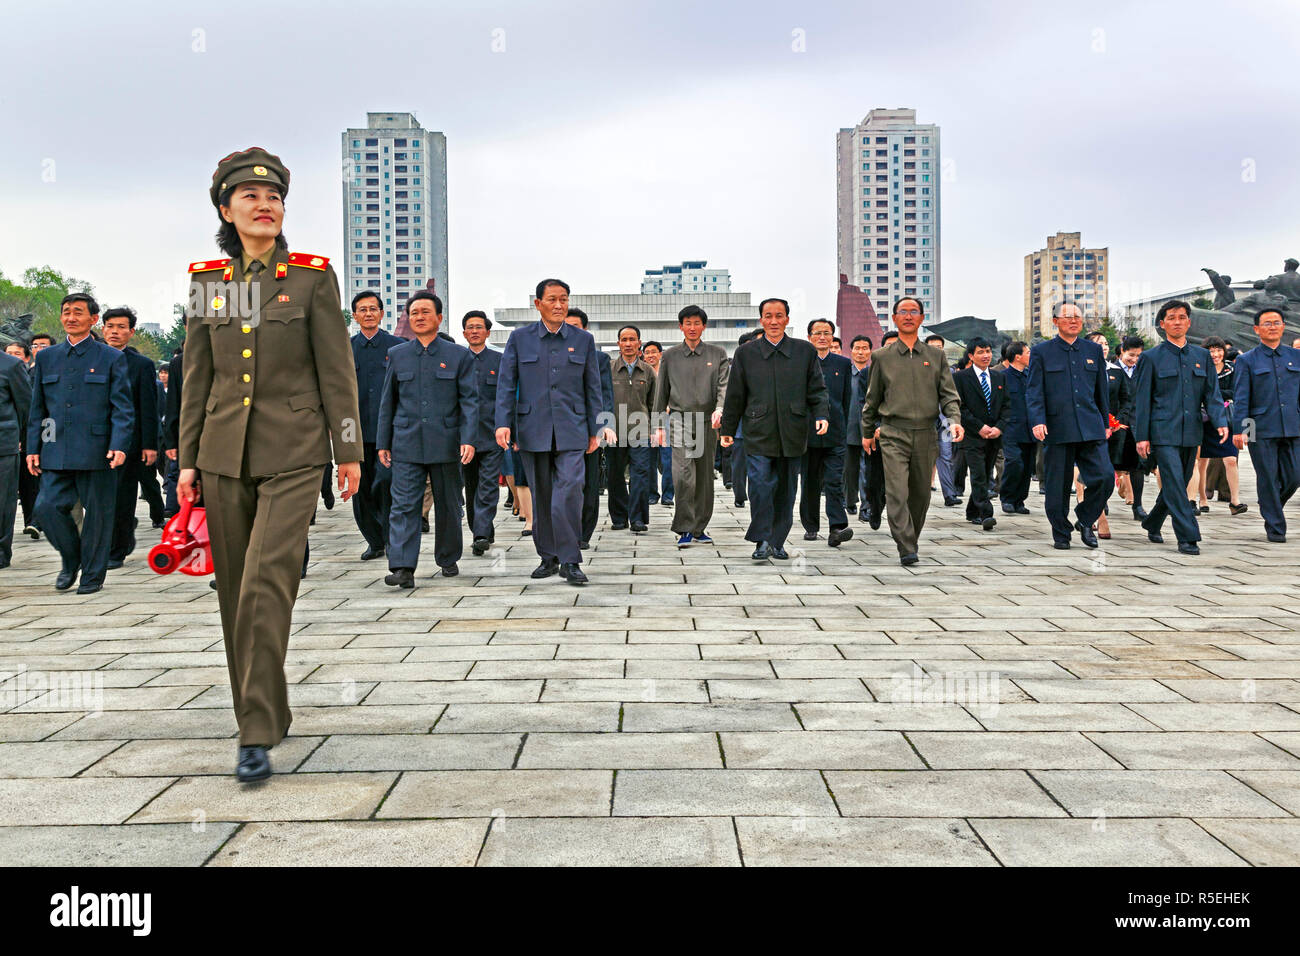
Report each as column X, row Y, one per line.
column 910, row 386
column 1266, row 413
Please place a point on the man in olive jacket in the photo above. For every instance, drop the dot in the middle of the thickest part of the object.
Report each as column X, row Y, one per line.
column 776, row 387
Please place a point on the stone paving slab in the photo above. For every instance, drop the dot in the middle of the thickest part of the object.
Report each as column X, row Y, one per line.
column 1000, row 703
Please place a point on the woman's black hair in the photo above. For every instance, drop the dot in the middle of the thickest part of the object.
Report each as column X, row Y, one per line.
column 228, row 237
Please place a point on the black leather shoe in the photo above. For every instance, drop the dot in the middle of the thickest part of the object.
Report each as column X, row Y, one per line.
column 424, row 525
column 65, row 580
column 584, row 545
column 401, row 578
column 32, row 532
column 762, row 552
column 480, row 546
column 1061, row 545
column 254, row 764
column 836, row 538
column 371, row 553
column 951, row 502
column 573, row 574
column 90, row 588
column 851, row 509
column 1086, row 534
column 328, row 494
column 740, row 502
column 114, row 563
column 1277, row 538
column 213, row 584
column 1155, row 537
column 780, row 554
column 811, row 536
column 1139, row 513
column 638, row 528
column 618, row 527
column 546, row 569
column 160, row 524
column 450, row 570
column 1022, row 510
column 874, row 521
column 908, row 559
column 1008, row 509
column 1188, row 547
column 988, row 524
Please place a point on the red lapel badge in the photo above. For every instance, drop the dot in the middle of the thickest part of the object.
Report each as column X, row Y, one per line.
column 281, row 270
column 442, row 365
column 282, row 298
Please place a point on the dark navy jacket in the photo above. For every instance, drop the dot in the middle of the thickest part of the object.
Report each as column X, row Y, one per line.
column 429, row 404
column 853, row 427
column 1017, row 431
column 487, row 369
column 371, row 359
column 837, row 373
column 1067, row 391
column 551, row 391
column 144, row 399
column 1267, row 391
column 81, row 402
column 1171, row 387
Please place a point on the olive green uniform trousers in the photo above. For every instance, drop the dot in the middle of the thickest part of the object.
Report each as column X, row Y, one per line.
column 258, row 530
column 909, row 455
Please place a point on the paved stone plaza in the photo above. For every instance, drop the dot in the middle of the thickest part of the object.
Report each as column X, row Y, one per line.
column 1132, row 706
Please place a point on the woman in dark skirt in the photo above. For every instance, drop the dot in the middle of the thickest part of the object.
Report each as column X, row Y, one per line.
column 1211, row 447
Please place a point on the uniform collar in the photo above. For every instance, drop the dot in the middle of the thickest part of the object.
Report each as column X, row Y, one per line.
column 245, row 260
column 543, row 331
column 898, row 346
column 367, row 340
column 782, row 346
column 81, row 346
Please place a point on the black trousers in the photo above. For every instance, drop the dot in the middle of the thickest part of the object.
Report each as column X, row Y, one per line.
column 872, row 479
column 483, row 490
column 852, row 474
column 1176, row 464
column 87, row 549
column 130, row 477
column 771, row 498
column 1277, row 475
column 9, row 465
column 821, row 471
column 373, row 500
column 1020, row 459
column 590, row 495
column 29, row 486
column 629, row 495
column 150, row 490
column 1096, row 474
column 981, row 456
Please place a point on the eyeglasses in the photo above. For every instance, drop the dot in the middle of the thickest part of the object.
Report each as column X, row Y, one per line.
column 908, row 312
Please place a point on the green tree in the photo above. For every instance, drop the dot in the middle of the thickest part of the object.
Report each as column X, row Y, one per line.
column 39, row 292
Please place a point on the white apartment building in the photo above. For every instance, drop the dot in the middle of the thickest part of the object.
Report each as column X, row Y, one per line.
column 691, row 276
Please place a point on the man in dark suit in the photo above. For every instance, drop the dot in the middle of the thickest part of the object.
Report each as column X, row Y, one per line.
column 776, row 388
column 142, row 451
column 549, row 403
column 860, row 360
column 428, row 418
column 1175, row 384
column 1019, row 450
column 1069, row 410
column 15, row 405
column 78, row 431
column 822, row 467
column 483, row 473
column 594, row 459
column 371, row 503
column 984, row 413
column 1266, row 414
column 171, row 420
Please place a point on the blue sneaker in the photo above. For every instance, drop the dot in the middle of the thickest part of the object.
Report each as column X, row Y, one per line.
column 684, row 540
column 702, row 538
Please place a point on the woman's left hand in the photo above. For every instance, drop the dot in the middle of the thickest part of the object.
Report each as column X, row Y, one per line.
column 349, row 478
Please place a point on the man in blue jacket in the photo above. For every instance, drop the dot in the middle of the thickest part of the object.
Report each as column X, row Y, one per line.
column 1176, row 382
column 822, row 467
column 77, row 435
column 482, row 475
column 428, row 417
column 1068, row 410
column 372, row 500
column 1266, row 415
column 549, row 403
column 142, row 451
column 1019, row 450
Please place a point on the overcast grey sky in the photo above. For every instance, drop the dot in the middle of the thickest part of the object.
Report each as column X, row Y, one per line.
column 612, row 137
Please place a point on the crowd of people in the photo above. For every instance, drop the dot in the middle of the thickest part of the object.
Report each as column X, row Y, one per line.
column 268, row 397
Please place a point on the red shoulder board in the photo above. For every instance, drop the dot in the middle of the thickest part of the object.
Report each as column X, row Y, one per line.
column 307, row 260
column 208, row 265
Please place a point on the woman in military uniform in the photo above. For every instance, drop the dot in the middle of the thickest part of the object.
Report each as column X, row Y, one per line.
column 269, row 387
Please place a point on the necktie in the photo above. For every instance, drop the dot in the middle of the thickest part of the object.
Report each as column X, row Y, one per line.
column 984, row 385
column 256, row 267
